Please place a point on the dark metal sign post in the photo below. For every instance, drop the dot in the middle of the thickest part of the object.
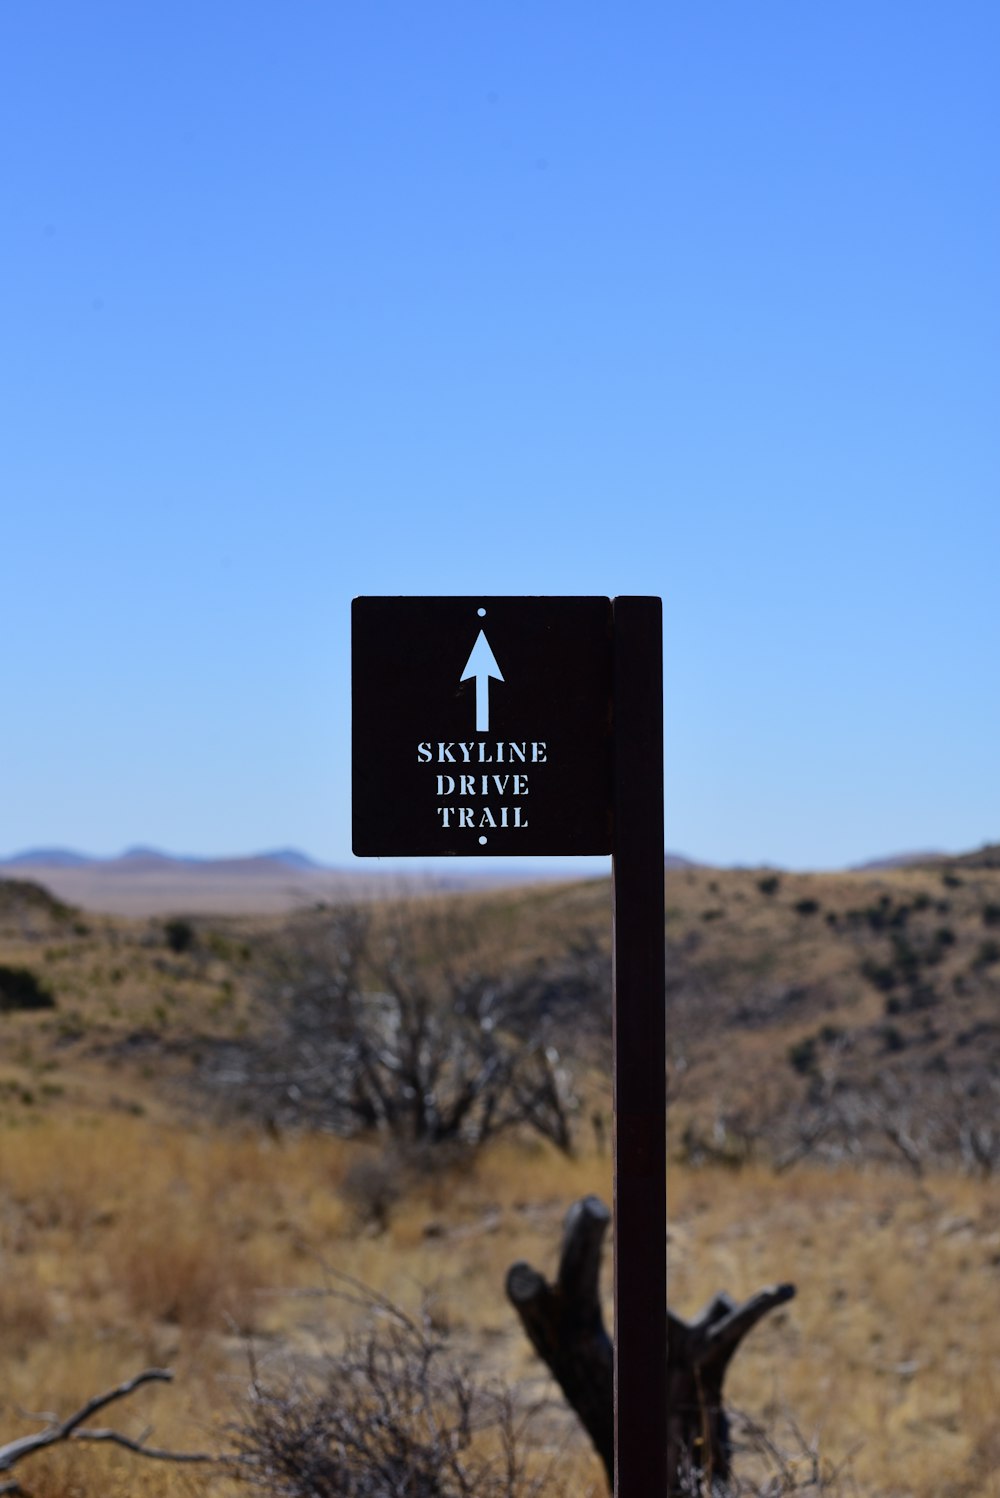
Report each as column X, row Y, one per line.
column 506, row 726
column 639, row 1053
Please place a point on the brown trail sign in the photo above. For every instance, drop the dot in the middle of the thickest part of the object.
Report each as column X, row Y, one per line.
column 481, row 726
column 529, row 726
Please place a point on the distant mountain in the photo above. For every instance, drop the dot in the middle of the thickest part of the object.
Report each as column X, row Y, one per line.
column 144, row 881
column 142, row 855
column 291, row 858
column 51, row 858
column 145, row 858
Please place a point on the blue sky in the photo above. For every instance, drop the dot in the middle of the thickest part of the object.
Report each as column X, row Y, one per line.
column 305, row 301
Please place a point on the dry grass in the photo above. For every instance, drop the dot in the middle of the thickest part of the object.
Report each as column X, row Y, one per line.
column 25, row 1310
column 130, row 1243
column 132, row 1233
column 886, row 1348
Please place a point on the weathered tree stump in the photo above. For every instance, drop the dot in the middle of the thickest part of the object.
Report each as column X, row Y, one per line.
column 565, row 1325
column 566, row 1328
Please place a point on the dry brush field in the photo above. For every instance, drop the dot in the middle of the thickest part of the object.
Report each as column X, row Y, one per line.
column 834, row 1049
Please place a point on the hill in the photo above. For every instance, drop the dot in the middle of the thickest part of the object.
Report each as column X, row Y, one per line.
column 987, row 857
column 834, row 1050
column 807, row 1013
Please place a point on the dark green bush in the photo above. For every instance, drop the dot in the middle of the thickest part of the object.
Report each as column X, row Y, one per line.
column 917, row 996
column 988, row 954
column 20, row 989
column 802, row 1055
column 179, row 934
column 879, row 916
column 907, row 958
column 806, row 907
column 881, row 975
column 769, row 885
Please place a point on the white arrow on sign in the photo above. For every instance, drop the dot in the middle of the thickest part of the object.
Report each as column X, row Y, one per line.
column 482, row 665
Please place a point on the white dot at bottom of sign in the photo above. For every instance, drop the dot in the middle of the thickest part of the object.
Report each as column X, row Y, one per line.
column 482, row 839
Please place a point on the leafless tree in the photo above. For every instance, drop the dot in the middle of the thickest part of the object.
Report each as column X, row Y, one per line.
column 358, row 1032
column 947, row 1121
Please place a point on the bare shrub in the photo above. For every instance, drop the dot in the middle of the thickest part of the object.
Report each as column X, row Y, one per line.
column 188, row 1274
column 371, row 1188
column 393, row 1416
column 950, row 1121
column 775, row 1461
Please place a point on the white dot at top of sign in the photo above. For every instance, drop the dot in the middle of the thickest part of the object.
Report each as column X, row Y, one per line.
column 481, row 613
column 483, row 838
